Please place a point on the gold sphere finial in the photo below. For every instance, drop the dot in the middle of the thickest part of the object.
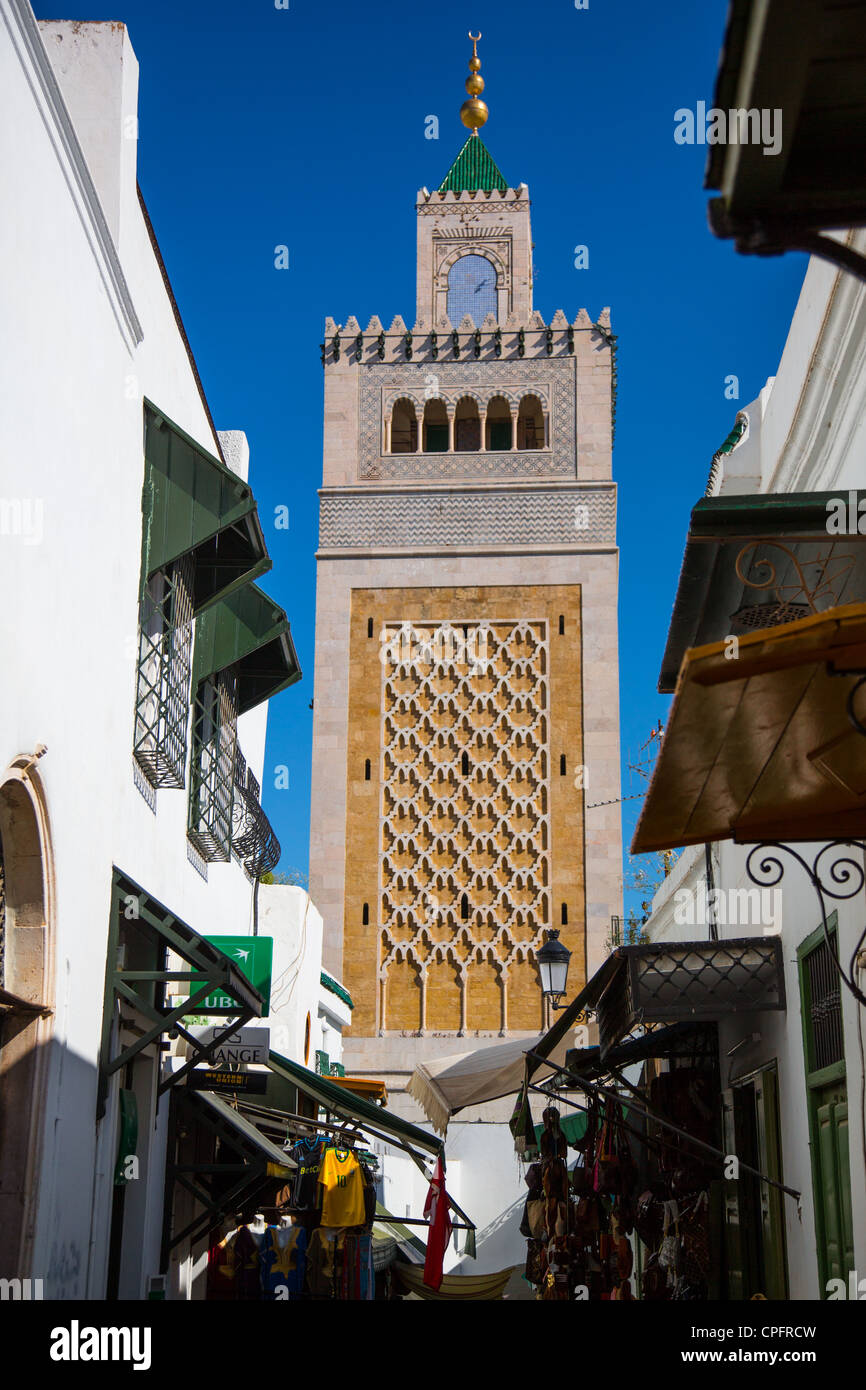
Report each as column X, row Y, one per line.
column 474, row 112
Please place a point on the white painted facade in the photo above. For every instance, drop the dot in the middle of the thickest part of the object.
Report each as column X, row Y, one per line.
column 806, row 432
column 89, row 330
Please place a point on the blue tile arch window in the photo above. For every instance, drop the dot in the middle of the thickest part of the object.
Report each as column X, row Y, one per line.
column 472, row 289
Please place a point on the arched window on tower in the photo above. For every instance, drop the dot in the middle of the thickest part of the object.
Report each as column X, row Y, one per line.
column 467, row 426
column 498, row 427
column 435, row 427
column 472, row 290
column 530, row 424
column 404, row 428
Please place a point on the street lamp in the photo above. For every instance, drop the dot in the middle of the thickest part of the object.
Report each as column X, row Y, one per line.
column 553, row 960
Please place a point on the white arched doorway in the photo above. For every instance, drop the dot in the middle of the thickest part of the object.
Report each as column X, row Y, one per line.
column 26, row 1004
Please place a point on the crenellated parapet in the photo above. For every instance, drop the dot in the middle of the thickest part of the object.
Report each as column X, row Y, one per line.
column 557, row 362
column 486, row 199
column 467, row 340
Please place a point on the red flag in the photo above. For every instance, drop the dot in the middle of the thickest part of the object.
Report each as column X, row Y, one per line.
column 436, row 1211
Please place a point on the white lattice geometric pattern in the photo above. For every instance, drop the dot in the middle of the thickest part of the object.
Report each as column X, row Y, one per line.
column 465, row 828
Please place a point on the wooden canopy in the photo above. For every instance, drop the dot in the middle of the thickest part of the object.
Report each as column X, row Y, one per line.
column 759, row 744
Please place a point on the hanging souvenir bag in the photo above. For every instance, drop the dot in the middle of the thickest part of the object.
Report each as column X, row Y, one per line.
column 534, row 1218
column 603, row 1155
column 582, row 1178
column 536, row 1261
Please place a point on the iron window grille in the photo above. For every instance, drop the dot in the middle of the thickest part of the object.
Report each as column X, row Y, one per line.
column 211, row 794
column 162, row 686
column 825, row 1006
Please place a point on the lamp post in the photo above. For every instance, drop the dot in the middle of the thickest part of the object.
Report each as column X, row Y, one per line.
column 553, row 958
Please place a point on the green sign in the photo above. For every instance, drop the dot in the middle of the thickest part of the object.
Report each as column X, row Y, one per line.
column 254, row 957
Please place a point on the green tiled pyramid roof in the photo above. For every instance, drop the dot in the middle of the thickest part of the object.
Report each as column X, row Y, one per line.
column 474, row 169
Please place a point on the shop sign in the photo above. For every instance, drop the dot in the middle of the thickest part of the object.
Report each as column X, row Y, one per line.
column 254, row 1083
column 246, row 1045
column 254, row 955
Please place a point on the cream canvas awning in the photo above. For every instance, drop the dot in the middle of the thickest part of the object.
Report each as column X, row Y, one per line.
column 448, row 1084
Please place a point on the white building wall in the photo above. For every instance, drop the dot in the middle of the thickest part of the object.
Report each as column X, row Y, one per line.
column 807, row 432
column 289, row 915
column 74, row 376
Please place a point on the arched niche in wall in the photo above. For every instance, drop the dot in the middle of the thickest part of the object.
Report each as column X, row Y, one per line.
column 26, row 993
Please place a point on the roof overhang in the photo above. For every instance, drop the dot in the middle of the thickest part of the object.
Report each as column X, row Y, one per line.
column 800, row 64
column 760, row 745
column 756, row 561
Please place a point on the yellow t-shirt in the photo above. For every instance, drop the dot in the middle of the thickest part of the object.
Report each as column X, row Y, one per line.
column 342, row 1184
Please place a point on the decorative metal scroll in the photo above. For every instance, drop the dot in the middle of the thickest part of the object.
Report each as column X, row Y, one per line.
column 793, row 599
column 253, row 839
column 841, row 878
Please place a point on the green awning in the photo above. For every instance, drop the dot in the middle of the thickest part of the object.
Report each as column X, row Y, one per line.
column 759, row 560
column 249, row 631
column 193, row 504
column 573, row 1126
column 352, row 1107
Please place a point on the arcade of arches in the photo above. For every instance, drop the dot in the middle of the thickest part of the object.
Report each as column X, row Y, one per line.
column 493, row 426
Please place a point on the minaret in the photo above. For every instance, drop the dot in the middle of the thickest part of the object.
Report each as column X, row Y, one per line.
column 466, row 694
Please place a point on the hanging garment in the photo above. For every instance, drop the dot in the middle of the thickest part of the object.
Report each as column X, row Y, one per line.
column 323, row 1262
column 357, row 1280
column 307, row 1153
column 248, row 1283
column 436, row 1211
column 284, row 1262
column 341, row 1183
column 369, row 1194
column 221, row 1270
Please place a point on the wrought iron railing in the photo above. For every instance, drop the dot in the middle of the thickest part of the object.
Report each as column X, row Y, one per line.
column 162, row 685
column 253, row 838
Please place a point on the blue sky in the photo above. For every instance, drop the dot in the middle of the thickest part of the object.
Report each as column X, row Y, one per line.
column 305, row 127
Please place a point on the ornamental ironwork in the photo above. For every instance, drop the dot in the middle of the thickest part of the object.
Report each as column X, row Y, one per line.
column 793, row 596
column 253, row 838
column 835, row 872
column 162, row 685
column 664, row 982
